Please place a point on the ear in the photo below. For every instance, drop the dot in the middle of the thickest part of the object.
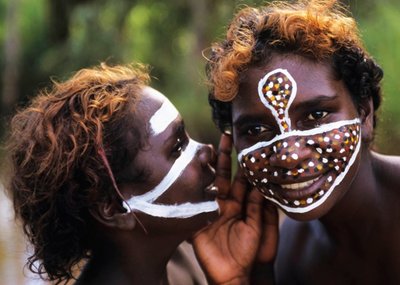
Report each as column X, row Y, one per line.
column 366, row 112
column 113, row 215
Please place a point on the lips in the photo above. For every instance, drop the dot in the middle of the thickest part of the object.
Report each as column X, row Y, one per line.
column 301, row 185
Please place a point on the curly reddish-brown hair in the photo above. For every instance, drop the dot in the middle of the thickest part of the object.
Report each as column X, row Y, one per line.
column 58, row 173
column 319, row 30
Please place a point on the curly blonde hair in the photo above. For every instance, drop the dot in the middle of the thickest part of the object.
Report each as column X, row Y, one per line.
column 57, row 171
column 317, row 29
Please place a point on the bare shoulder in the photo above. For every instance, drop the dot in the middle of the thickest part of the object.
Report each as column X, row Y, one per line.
column 303, row 247
column 388, row 168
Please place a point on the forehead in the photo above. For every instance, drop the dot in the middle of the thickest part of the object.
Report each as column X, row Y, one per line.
column 312, row 78
column 151, row 100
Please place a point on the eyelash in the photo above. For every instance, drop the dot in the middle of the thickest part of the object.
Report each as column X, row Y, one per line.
column 310, row 115
column 178, row 147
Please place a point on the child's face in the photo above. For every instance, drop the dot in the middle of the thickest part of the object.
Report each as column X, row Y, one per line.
column 297, row 133
column 179, row 169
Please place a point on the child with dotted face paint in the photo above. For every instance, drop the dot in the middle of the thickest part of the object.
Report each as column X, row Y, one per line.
column 105, row 175
column 297, row 91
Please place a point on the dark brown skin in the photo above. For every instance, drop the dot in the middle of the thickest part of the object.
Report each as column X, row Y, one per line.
column 125, row 252
column 352, row 238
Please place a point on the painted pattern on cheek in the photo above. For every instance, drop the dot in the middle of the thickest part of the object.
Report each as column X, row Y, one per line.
column 146, row 202
column 316, row 159
column 277, row 90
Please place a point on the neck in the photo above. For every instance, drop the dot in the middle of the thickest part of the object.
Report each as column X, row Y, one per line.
column 358, row 213
column 141, row 259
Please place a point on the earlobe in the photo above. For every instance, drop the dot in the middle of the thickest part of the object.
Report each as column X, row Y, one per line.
column 366, row 111
column 113, row 215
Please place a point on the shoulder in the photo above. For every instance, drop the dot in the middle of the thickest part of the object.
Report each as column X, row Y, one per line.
column 387, row 169
column 302, row 247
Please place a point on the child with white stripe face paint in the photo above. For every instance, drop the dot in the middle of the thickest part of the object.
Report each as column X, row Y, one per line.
column 297, row 91
column 104, row 171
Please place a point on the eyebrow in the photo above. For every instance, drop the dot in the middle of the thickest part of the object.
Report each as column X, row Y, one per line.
column 249, row 118
column 316, row 100
column 177, row 127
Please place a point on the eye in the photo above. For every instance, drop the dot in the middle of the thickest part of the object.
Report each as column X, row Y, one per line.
column 178, row 147
column 256, row 130
column 317, row 115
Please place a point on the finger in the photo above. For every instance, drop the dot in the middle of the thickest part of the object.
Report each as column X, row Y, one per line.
column 240, row 186
column 270, row 234
column 224, row 165
column 254, row 209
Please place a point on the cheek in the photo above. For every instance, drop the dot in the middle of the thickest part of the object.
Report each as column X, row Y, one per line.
column 327, row 155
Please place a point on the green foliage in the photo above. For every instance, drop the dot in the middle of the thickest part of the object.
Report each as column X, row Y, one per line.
column 170, row 36
column 381, row 34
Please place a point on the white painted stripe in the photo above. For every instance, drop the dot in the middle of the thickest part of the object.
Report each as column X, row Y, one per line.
column 319, row 130
column 338, row 179
column 185, row 210
column 163, row 117
column 177, row 168
column 268, row 104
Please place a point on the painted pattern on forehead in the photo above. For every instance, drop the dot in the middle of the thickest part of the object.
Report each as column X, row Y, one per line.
column 334, row 148
column 163, row 117
column 277, row 90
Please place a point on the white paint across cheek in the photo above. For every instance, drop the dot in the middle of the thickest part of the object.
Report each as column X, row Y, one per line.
column 163, row 117
column 144, row 203
column 322, row 129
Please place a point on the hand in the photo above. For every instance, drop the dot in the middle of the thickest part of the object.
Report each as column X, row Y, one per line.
column 244, row 232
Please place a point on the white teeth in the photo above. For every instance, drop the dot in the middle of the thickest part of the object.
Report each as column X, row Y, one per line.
column 301, row 185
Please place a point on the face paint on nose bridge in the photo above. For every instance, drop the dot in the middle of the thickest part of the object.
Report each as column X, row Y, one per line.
column 332, row 148
column 144, row 203
column 277, row 90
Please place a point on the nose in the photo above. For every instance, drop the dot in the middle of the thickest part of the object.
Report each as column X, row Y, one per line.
column 207, row 155
column 289, row 153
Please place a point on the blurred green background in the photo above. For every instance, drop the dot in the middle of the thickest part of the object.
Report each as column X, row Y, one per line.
column 40, row 39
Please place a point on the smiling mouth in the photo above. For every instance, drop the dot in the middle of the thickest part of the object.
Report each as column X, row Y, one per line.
column 301, row 185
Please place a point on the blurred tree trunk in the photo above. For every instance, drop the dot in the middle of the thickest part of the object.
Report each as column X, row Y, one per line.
column 12, row 46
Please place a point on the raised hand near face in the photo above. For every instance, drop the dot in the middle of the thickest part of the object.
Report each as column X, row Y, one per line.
column 246, row 233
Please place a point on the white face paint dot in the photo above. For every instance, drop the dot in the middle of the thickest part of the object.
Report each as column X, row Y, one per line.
column 342, row 150
column 297, row 144
column 285, row 201
column 297, row 203
column 325, row 160
column 265, row 170
column 337, row 136
column 275, row 173
column 286, row 86
column 330, row 179
column 295, row 156
column 253, row 159
column 301, row 170
column 322, row 192
column 271, row 84
column 310, row 200
column 263, row 155
column 244, row 164
column 280, row 80
column 347, row 134
column 344, row 158
column 310, row 142
column 351, row 147
column 337, row 168
column 283, row 157
column 285, row 144
column 271, row 192
column 311, row 164
column 326, row 139
column 278, row 97
column 265, row 180
column 289, row 173
column 319, row 149
column 251, row 173
column 274, row 148
column 329, row 150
